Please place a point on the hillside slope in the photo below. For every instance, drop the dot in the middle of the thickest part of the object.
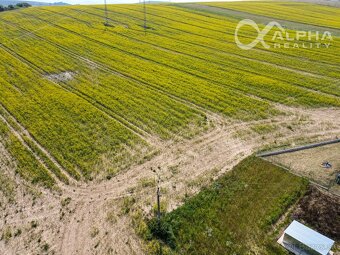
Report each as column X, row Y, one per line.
column 87, row 110
column 114, row 89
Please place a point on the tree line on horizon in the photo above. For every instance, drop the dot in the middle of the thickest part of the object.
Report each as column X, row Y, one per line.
column 13, row 7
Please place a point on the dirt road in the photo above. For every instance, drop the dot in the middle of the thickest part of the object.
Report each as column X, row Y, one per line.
column 87, row 218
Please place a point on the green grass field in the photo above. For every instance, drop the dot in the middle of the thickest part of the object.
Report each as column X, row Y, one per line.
column 129, row 87
column 236, row 213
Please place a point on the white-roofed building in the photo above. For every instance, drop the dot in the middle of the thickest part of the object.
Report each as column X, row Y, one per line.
column 301, row 240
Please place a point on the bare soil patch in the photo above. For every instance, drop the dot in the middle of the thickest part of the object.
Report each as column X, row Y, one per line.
column 308, row 163
column 61, row 77
column 320, row 210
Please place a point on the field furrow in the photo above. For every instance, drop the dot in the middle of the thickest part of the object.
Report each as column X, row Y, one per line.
column 84, row 137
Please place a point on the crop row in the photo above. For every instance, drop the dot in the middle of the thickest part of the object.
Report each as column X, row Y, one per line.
column 241, row 67
column 199, row 91
column 227, row 35
column 220, row 46
column 80, row 137
column 32, row 145
column 26, row 165
column 300, row 12
column 162, row 25
column 150, row 110
column 258, row 85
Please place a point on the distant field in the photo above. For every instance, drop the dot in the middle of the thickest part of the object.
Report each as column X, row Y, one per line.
column 236, row 213
column 98, row 99
column 307, row 13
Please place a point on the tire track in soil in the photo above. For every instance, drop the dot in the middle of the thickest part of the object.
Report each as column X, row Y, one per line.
column 195, row 160
column 92, row 197
column 106, row 111
column 234, row 87
column 217, row 63
column 237, row 150
column 24, row 132
column 197, row 34
column 110, row 70
column 22, row 141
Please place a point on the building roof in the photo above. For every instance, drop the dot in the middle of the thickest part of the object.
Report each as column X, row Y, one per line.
column 309, row 237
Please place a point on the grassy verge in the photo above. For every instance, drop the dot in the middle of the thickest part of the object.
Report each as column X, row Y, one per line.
column 235, row 214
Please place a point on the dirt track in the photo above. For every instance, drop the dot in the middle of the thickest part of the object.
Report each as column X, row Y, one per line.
column 80, row 225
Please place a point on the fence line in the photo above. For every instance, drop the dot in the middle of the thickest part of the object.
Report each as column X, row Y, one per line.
column 304, row 147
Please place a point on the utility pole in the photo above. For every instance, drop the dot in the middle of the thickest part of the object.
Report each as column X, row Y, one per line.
column 144, row 10
column 159, row 217
column 106, row 23
column 158, row 205
column 158, row 195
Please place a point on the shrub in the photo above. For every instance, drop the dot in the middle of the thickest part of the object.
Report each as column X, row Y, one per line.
column 162, row 231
